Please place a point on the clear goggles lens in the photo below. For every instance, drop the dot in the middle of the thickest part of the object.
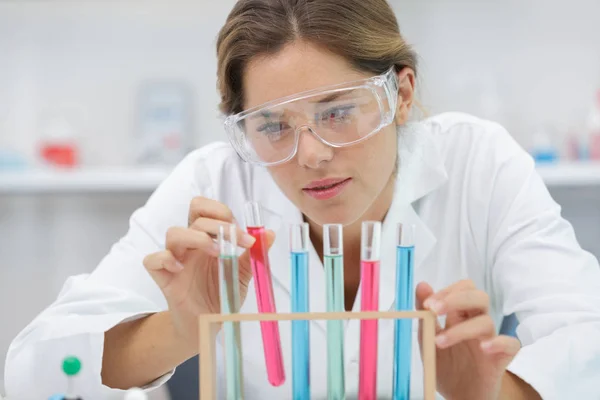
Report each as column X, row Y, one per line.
column 339, row 116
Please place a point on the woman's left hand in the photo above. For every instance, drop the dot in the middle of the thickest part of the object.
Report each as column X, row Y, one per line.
column 471, row 357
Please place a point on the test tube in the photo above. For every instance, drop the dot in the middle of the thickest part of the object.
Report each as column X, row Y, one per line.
column 261, row 272
column 370, row 255
column 229, row 293
column 333, row 257
column 404, row 302
column 299, row 244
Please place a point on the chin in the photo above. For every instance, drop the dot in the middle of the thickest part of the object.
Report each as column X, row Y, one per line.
column 345, row 214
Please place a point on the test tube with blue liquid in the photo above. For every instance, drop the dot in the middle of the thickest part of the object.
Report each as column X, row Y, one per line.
column 333, row 256
column 299, row 245
column 229, row 291
column 404, row 302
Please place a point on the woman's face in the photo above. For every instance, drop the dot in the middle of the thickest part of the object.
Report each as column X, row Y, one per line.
column 328, row 185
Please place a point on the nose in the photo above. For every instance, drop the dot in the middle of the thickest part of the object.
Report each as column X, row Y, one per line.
column 311, row 150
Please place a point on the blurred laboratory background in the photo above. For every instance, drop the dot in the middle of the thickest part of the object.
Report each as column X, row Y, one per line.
column 100, row 98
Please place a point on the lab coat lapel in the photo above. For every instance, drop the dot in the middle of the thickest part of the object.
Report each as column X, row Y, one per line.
column 421, row 171
column 279, row 212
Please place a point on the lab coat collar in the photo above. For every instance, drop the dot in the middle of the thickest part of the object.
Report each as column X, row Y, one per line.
column 421, row 171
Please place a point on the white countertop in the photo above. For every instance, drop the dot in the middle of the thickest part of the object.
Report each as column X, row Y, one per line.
column 146, row 179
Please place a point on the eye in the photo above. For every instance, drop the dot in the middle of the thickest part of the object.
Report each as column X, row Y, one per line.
column 274, row 130
column 338, row 114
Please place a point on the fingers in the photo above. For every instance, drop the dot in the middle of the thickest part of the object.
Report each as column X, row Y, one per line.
column 206, row 215
column 466, row 284
column 211, row 227
column 245, row 270
column 462, row 300
column 202, row 207
column 480, row 327
column 270, row 238
column 422, row 293
column 161, row 266
column 179, row 240
column 502, row 344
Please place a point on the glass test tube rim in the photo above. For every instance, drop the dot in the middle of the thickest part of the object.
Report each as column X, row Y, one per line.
column 299, row 237
column 370, row 241
column 328, row 250
column 406, row 235
column 227, row 240
column 253, row 215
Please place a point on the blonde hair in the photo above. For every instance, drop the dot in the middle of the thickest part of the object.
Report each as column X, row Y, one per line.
column 365, row 32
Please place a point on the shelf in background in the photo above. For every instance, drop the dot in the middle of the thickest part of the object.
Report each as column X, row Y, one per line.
column 146, row 180
column 571, row 174
column 88, row 180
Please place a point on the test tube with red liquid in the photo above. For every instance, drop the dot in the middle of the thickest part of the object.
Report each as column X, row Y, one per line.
column 261, row 273
column 370, row 255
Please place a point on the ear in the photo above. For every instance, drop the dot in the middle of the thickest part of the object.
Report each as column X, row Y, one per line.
column 406, row 91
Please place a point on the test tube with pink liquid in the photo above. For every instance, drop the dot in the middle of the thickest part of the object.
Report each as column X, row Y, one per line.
column 370, row 255
column 261, row 272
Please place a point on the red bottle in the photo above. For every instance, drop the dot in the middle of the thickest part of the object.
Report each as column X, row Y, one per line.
column 593, row 126
column 60, row 155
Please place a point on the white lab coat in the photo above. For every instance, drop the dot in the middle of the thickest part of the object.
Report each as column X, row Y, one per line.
column 481, row 212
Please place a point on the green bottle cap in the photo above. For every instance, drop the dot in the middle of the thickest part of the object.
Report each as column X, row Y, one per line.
column 71, row 366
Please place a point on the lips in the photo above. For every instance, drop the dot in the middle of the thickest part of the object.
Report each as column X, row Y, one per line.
column 326, row 188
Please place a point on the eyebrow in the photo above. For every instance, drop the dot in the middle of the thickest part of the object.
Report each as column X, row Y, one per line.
column 266, row 114
column 270, row 114
column 334, row 96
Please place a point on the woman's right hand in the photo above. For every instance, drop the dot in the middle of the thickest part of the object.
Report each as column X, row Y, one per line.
column 187, row 270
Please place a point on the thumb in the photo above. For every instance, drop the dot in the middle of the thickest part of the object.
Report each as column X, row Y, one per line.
column 245, row 268
column 423, row 291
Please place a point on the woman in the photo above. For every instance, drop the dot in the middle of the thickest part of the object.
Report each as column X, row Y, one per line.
column 490, row 240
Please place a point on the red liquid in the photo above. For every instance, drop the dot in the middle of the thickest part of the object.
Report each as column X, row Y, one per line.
column 367, row 383
column 261, row 272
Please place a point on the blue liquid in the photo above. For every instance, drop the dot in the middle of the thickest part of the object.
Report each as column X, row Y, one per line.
column 300, row 329
column 334, row 276
column 403, row 327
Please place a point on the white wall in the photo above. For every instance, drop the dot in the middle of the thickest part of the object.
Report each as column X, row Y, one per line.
column 543, row 57
column 93, row 55
column 540, row 57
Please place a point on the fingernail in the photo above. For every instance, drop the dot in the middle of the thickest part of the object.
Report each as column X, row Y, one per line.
column 248, row 240
column 215, row 249
column 441, row 340
column 172, row 266
column 427, row 303
column 486, row 345
column 437, row 306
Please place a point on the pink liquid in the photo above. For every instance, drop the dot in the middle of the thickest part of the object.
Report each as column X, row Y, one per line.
column 261, row 272
column 367, row 384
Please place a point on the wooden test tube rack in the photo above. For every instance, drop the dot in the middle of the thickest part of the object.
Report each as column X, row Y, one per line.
column 207, row 343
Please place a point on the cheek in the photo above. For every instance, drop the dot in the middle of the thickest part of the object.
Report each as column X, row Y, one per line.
column 380, row 153
column 283, row 175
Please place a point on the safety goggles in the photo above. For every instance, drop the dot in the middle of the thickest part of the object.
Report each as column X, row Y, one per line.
column 340, row 115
